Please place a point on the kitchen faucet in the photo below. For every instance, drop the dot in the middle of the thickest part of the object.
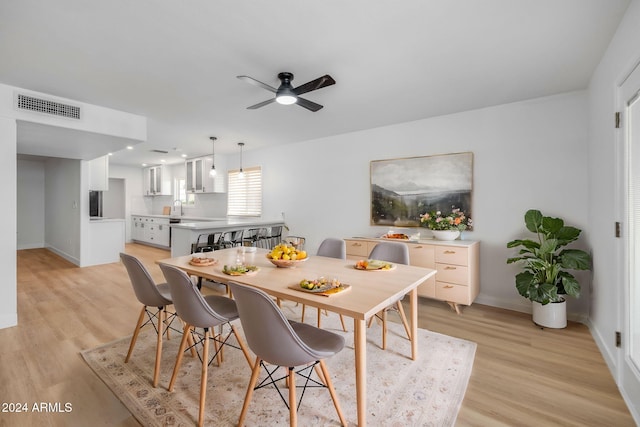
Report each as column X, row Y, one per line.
column 177, row 203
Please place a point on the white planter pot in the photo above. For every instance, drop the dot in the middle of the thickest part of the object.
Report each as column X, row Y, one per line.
column 445, row 234
column 552, row 315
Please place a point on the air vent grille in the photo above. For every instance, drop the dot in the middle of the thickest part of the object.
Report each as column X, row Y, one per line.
column 31, row 103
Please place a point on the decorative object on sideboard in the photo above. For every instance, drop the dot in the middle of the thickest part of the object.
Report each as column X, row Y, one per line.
column 545, row 279
column 446, row 226
column 402, row 189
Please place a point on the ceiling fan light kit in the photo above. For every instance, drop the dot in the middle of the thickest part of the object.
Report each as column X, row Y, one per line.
column 286, row 94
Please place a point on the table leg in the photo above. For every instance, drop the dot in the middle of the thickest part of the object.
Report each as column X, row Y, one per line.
column 413, row 301
column 360, row 343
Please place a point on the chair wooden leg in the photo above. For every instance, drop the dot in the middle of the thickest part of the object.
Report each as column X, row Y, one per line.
column 247, row 397
column 136, row 331
column 384, row 329
column 156, row 368
column 293, row 407
column 332, row 392
column 166, row 318
column 242, row 345
column 344, row 328
column 183, row 344
column 370, row 321
column 404, row 320
column 203, row 377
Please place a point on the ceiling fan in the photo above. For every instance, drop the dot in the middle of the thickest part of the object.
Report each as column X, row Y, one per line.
column 287, row 94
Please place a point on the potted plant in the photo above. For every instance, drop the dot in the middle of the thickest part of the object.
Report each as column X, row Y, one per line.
column 445, row 226
column 545, row 279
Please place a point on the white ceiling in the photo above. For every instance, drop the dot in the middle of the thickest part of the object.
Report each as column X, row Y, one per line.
column 176, row 62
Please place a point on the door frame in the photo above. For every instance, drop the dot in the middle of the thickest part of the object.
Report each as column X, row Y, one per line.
column 627, row 375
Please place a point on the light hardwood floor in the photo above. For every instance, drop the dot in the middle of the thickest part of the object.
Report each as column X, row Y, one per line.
column 522, row 375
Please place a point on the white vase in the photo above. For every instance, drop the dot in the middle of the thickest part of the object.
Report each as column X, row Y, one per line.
column 552, row 315
column 445, row 234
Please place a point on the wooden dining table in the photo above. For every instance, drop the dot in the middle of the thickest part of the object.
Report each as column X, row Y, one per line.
column 370, row 292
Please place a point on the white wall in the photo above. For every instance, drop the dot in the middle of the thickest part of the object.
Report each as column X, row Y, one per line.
column 113, row 200
column 30, row 206
column 8, row 228
column 605, row 191
column 64, row 203
column 526, row 155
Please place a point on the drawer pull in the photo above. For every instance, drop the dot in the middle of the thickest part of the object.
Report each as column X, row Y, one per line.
column 448, row 287
column 357, row 244
column 450, row 268
column 449, row 252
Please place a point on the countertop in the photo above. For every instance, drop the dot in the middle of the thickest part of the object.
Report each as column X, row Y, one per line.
column 95, row 219
column 185, row 218
column 226, row 222
column 427, row 240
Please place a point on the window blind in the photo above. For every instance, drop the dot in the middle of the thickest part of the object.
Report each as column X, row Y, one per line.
column 244, row 194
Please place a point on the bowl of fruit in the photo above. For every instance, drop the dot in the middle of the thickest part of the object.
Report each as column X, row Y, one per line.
column 286, row 256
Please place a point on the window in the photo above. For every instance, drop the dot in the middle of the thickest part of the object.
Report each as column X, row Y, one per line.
column 245, row 192
column 187, row 199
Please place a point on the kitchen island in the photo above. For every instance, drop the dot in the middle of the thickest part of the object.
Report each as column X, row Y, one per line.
column 184, row 234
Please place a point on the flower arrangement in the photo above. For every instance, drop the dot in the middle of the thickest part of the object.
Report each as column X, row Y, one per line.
column 455, row 220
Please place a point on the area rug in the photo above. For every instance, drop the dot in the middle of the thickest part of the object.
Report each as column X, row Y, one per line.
column 400, row 391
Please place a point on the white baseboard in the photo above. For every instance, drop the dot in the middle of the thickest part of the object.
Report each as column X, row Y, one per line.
column 64, row 255
column 523, row 306
column 31, row 246
column 8, row 320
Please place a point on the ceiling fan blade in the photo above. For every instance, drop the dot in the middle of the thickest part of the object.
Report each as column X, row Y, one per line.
column 262, row 104
column 316, row 84
column 257, row 83
column 311, row 106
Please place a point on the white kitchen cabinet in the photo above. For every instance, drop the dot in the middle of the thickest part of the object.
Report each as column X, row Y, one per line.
column 198, row 178
column 157, row 181
column 151, row 230
column 99, row 174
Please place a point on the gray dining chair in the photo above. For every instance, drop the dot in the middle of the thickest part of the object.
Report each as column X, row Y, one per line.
column 332, row 248
column 397, row 253
column 150, row 295
column 206, row 312
column 275, row 340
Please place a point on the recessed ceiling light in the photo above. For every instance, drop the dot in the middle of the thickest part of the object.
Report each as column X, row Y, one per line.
column 111, row 154
column 129, row 147
column 144, row 164
column 162, row 160
column 183, row 155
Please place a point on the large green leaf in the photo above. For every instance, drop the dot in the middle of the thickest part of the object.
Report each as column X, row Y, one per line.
column 567, row 235
column 533, row 220
column 575, row 259
column 550, row 226
column 570, row 285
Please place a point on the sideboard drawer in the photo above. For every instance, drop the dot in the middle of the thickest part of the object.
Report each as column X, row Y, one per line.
column 422, row 255
column 357, row 248
column 452, row 274
column 452, row 255
column 453, row 293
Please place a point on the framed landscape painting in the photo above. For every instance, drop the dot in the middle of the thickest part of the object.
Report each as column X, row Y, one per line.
column 403, row 189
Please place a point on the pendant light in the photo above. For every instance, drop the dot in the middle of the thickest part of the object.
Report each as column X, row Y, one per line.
column 241, row 174
column 212, row 172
